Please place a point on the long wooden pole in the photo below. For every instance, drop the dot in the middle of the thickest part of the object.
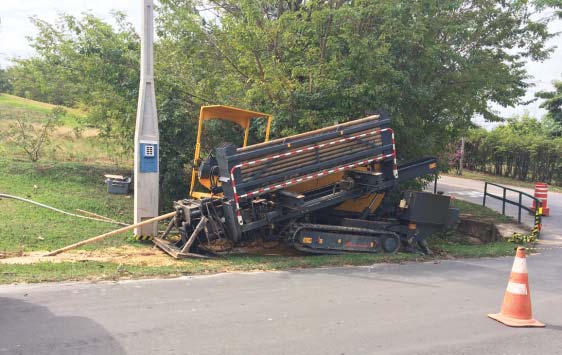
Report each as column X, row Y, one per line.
column 112, row 233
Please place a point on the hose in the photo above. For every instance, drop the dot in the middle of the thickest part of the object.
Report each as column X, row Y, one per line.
column 60, row 211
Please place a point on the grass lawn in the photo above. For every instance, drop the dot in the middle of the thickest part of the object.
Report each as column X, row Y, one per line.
column 502, row 180
column 67, row 186
column 479, row 211
column 70, row 177
column 25, row 228
column 93, row 270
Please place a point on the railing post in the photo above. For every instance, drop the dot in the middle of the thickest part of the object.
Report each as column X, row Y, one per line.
column 485, row 192
column 519, row 212
column 538, row 219
column 503, row 202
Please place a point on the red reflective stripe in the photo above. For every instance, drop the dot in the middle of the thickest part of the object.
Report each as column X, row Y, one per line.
column 321, row 173
column 235, row 193
column 300, row 150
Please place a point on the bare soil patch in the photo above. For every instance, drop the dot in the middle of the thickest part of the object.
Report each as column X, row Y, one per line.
column 127, row 255
column 148, row 255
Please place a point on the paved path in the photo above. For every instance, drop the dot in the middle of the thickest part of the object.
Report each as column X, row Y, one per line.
column 473, row 191
column 414, row 308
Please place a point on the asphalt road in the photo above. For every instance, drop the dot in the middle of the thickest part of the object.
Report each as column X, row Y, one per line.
column 414, row 308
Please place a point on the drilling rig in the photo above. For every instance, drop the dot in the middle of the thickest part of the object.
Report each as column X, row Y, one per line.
column 323, row 191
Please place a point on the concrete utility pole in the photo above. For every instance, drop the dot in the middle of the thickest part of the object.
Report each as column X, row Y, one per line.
column 146, row 132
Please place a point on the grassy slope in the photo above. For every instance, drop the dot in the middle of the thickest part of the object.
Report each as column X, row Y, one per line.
column 66, row 186
column 479, row 211
column 65, row 144
column 10, row 104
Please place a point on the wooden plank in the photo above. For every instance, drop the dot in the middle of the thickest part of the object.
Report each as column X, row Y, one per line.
column 112, row 233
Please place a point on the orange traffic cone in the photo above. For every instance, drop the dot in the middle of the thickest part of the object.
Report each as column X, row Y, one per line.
column 541, row 193
column 516, row 307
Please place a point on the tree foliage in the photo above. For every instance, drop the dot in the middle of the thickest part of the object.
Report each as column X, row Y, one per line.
column 553, row 104
column 432, row 65
column 523, row 149
column 31, row 137
column 85, row 62
column 5, row 82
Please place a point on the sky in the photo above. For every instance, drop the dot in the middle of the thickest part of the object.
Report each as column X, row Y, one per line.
column 15, row 26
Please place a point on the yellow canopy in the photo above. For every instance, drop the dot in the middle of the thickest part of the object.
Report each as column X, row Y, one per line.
column 227, row 113
column 233, row 114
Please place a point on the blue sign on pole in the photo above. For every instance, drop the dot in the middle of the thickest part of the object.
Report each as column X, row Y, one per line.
column 148, row 158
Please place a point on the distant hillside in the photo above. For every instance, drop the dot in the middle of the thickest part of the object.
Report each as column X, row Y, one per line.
column 73, row 141
column 10, row 104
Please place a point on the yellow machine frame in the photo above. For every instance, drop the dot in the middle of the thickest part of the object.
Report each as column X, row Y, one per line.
column 243, row 118
column 233, row 114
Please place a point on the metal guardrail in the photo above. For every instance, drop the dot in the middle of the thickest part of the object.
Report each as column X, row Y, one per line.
column 538, row 204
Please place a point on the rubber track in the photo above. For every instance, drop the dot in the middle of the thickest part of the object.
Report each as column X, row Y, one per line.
column 376, row 233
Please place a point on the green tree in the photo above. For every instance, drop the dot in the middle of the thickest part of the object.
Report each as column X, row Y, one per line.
column 522, row 149
column 5, row 82
column 432, row 65
column 31, row 137
column 553, row 104
column 85, row 62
